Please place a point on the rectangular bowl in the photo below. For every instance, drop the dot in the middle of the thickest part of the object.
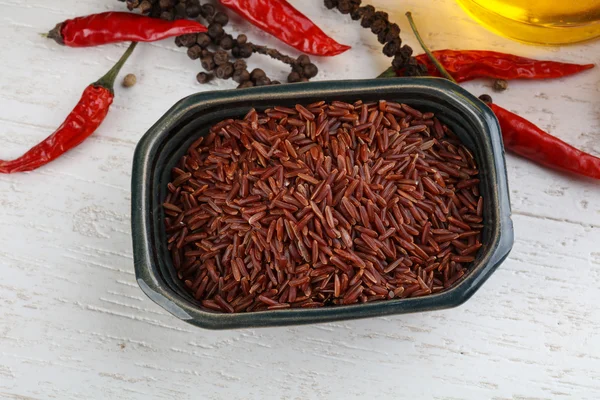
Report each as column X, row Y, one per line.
column 164, row 144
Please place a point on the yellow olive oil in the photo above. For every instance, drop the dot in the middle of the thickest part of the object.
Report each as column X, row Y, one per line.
column 538, row 21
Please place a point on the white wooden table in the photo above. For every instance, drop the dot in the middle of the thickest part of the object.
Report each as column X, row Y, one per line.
column 74, row 324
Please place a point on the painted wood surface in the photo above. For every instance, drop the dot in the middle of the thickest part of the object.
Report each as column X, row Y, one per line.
column 74, row 324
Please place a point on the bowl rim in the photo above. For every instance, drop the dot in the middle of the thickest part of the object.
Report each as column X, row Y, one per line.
column 146, row 272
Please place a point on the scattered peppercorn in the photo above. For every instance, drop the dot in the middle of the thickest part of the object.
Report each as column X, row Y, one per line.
column 262, row 81
column 310, row 70
column 227, row 42
column 129, row 80
column 240, row 64
column 486, row 98
column 192, row 9
column 203, row 40
column 221, row 57
column 215, row 31
column 241, row 75
column 294, row 77
column 256, row 74
column 246, row 84
column 208, row 62
column 208, row 10
column 187, row 40
column 203, row 77
column 224, row 71
column 331, row 4
column 194, row 52
column 221, row 18
column 500, row 85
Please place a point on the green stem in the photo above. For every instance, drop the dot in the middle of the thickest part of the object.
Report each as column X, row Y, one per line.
column 388, row 73
column 108, row 80
column 437, row 64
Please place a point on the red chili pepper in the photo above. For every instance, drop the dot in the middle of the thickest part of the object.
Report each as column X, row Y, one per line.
column 114, row 27
column 282, row 20
column 465, row 65
column 87, row 115
column 527, row 140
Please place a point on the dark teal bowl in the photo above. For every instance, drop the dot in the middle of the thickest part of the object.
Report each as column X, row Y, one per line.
column 164, row 144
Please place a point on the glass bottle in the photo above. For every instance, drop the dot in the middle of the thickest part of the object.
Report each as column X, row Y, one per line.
column 538, row 21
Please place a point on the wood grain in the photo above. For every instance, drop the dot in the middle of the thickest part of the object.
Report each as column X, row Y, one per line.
column 74, row 324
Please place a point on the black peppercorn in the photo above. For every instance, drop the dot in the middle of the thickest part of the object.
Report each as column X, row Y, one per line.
column 246, row 84
column 378, row 26
column 192, row 9
column 366, row 22
column 180, row 12
column 303, row 60
column 298, row 68
column 208, row 63
column 367, row 11
column 406, row 51
column 241, row 39
column 256, row 74
column 165, row 4
column 221, row 57
column 357, row 14
column 167, row 15
column 189, row 40
column 194, row 52
column 203, row 40
column 241, row 75
column 245, row 50
column 294, row 77
column 399, row 61
column 132, row 4
column 262, row 81
column 207, row 11
column 410, row 70
column 155, row 12
column 186, row 40
column 221, row 18
column 239, row 65
column 344, row 6
column 310, row 71
column 392, row 47
column 486, row 98
column 224, row 71
column 203, row 77
column 391, row 33
column 215, row 31
column 381, row 15
column 331, row 4
column 145, row 6
column 226, row 42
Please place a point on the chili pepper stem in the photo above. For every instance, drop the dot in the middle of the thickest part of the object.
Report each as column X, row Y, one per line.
column 55, row 34
column 108, row 80
column 437, row 64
